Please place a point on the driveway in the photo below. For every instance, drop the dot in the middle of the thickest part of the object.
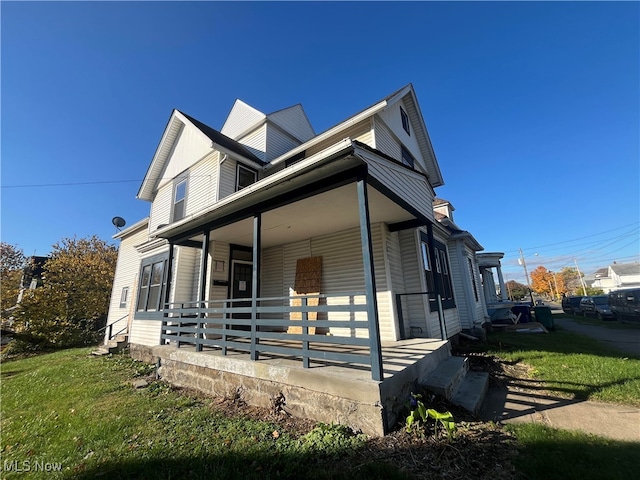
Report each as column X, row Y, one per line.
column 625, row 340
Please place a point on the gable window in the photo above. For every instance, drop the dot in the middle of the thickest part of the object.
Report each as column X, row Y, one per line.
column 405, row 121
column 153, row 280
column 123, row 297
column 245, row 177
column 179, row 199
column 407, row 158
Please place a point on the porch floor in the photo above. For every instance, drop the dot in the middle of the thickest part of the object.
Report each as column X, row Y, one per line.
column 396, row 356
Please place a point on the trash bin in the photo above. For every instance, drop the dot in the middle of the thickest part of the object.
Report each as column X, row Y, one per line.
column 545, row 317
column 524, row 311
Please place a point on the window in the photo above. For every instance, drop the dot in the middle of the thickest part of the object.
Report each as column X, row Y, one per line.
column 407, row 158
column 179, row 199
column 440, row 277
column 245, row 177
column 473, row 278
column 405, row 121
column 123, row 297
column 152, row 284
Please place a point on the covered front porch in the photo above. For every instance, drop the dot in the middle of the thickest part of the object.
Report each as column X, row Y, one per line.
column 340, row 210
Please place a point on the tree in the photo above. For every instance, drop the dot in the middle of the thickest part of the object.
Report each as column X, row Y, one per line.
column 12, row 262
column 517, row 290
column 542, row 281
column 571, row 281
column 74, row 300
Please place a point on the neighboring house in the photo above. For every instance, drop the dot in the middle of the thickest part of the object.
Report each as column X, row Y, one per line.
column 268, row 241
column 32, row 275
column 617, row 276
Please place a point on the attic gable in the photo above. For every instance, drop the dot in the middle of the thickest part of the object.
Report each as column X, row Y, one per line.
column 294, row 121
column 402, row 114
column 242, row 119
column 185, row 141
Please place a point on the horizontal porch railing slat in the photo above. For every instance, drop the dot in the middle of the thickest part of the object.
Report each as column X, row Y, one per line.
column 196, row 322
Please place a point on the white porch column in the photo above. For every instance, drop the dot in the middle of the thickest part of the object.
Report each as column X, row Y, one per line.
column 489, row 286
column 504, row 296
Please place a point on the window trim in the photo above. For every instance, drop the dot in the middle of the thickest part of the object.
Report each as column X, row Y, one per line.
column 180, row 180
column 406, row 158
column 406, row 126
column 143, row 297
column 473, row 278
column 244, row 167
column 124, row 297
column 441, row 274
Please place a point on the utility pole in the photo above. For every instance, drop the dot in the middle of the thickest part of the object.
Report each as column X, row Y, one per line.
column 584, row 287
column 526, row 275
column 555, row 282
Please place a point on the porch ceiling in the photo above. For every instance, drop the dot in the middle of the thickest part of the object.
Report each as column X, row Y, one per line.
column 328, row 212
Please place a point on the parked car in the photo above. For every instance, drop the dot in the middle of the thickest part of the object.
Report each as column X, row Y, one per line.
column 596, row 306
column 571, row 304
column 625, row 304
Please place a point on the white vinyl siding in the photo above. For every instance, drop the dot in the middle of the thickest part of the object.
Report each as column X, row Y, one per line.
column 397, row 276
column 219, row 252
column 385, row 141
column 227, row 184
column 414, row 306
column 203, row 182
column 191, row 146
column 161, row 208
column 256, row 142
column 127, row 269
column 294, row 121
column 461, row 283
column 406, row 184
column 145, row 332
column 185, row 281
column 392, row 119
column 240, row 119
column 342, row 272
column 278, row 143
column 360, row 132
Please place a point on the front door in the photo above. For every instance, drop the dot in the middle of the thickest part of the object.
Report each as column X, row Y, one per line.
column 241, row 285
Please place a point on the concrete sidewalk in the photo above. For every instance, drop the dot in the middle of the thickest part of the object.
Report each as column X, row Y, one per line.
column 526, row 401
column 528, row 405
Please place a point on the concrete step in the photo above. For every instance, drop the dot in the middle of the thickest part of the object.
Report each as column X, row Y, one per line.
column 447, row 377
column 472, row 391
column 100, row 351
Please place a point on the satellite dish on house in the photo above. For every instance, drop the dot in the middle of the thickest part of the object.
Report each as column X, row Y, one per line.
column 118, row 222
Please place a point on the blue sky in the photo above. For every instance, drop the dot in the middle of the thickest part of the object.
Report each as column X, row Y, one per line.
column 532, row 107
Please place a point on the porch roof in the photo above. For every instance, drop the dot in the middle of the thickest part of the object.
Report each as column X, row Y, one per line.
column 311, row 197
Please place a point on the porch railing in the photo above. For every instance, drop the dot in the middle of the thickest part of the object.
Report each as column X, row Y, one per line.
column 110, row 328
column 342, row 330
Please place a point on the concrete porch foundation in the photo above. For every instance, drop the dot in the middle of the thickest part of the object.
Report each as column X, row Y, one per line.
column 325, row 392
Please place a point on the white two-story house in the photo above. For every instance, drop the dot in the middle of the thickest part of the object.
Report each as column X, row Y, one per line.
column 268, row 239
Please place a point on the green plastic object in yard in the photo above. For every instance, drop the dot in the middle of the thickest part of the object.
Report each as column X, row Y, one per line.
column 545, row 317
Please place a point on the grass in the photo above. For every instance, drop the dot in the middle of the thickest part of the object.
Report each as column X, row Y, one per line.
column 551, row 454
column 82, row 412
column 572, row 366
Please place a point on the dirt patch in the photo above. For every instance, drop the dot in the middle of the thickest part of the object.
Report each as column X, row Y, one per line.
column 479, row 450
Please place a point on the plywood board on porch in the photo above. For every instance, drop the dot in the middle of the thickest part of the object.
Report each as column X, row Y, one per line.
column 307, row 282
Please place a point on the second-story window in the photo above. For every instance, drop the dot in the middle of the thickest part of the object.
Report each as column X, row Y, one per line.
column 407, row 158
column 245, row 177
column 179, row 199
column 405, row 121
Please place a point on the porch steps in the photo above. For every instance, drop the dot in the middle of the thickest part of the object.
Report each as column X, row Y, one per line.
column 114, row 345
column 453, row 380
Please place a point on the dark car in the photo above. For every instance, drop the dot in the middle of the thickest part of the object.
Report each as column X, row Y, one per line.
column 571, row 304
column 596, row 306
column 625, row 304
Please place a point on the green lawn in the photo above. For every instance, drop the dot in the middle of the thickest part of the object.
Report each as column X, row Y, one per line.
column 571, row 365
column 83, row 413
